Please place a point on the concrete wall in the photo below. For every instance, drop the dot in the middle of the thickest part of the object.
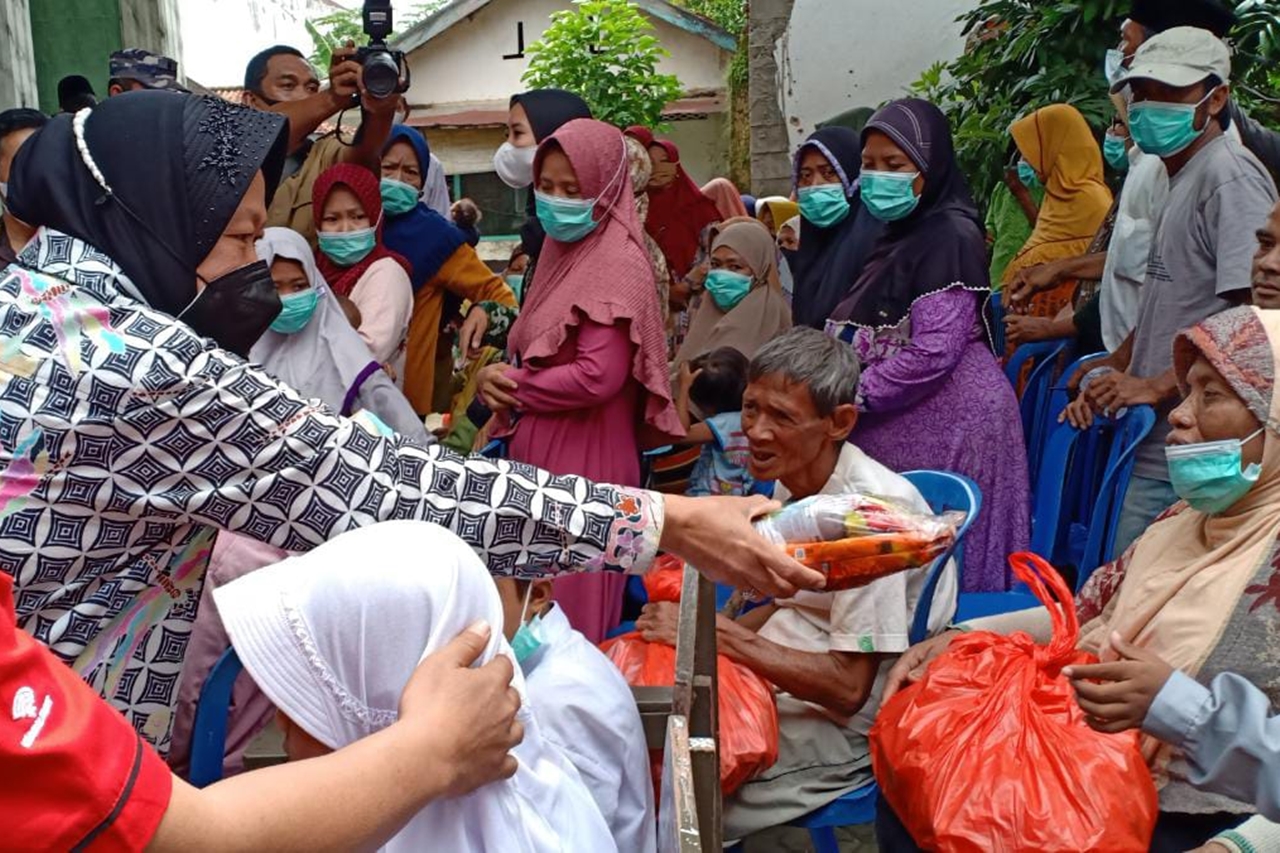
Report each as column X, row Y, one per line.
column 73, row 37
column 17, row 59
column 814, row 59
column 465, row 63
column 704, row 146
column 153, row 25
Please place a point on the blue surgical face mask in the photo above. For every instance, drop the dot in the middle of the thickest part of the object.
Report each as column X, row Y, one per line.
column 296, row 310
column 567, row 220
column 824, row 205
column 1113, row 66
column 528, row 637
column 889, row 196
column 397, row 196
column 1164, row 129
column 516, row 283
column 345, row 248
column 727, row 288
column 1208, row 475
column 1116, row 150
column 1027, row 174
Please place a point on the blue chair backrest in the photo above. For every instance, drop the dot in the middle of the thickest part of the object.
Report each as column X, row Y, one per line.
column 496, row 449
column 1089, row 469
column 1036, row 392
column 209, row 732
column 995, row 318
column 943, row 491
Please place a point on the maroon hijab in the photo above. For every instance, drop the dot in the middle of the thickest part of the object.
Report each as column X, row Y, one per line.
column 366, row 188
column 677, row 214
column 605, row 277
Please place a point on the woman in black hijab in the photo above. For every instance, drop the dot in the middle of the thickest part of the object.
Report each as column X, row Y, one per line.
column 837, row 233
column 532, row 117
column 128, row 438
column 931, row 394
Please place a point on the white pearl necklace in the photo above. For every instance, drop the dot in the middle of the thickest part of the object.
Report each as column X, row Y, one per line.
column 78, row 124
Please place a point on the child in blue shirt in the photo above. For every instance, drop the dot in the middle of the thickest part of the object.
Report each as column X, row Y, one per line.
column 714, row 383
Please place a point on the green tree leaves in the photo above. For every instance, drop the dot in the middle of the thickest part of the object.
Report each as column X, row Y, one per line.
column 604, row 51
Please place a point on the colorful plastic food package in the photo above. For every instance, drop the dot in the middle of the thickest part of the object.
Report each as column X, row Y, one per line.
column 990, row 751
column 748, row 714
column 855, row 539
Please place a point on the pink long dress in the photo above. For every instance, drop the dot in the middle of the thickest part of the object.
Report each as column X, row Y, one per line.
column 579, row 413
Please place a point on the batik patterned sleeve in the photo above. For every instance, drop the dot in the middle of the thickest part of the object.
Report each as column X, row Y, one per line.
column 293, row 474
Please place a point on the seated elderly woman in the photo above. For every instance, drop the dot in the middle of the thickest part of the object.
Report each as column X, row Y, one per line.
column 1200, row 589
column 828, row 653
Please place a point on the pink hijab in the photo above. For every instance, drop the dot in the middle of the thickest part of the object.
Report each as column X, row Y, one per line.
column 605, row 277
column 727, row 198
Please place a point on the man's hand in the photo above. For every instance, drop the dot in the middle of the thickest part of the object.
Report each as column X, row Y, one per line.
column 911, row 666
column 1021, row 329
column 659, row 622
column 468, row 716
column 1078, row 413
column 715, row 534
column 1132, row 684
column 1115, row 390
column 1028, row 283
column 344, row 75
column 471, row 336
column 496, row 389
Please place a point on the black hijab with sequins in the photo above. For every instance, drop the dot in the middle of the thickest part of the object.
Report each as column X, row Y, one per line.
column 177, row 166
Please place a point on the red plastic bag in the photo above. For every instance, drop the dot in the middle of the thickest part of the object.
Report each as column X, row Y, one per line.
column 989, row 751
column 748, row 712
column 665, row 578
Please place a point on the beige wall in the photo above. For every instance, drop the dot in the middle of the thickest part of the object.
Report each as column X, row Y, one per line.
column 704, row 146
column 465, row 65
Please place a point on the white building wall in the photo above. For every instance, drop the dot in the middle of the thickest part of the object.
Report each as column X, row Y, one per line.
column 465, row 63
column 842, row 54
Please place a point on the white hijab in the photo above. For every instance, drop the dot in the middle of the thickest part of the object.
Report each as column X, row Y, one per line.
column 332, row 637
column 327, row 359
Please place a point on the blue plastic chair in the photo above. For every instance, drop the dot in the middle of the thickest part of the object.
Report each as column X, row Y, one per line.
column 209, row 732
column 496, row 449
column 1089, row 468
column 944, row 492
column 1036, row 392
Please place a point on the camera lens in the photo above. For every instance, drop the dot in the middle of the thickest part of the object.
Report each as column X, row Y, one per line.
column 381, row 75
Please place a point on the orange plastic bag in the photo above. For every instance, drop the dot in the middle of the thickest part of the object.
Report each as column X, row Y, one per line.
column 748, row 712
column 665, row 578
column 989, row 751
column 855, row 539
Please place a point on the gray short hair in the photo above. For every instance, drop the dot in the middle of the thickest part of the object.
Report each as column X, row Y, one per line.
column 827, row 366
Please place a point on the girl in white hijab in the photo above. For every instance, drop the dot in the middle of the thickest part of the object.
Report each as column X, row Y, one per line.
column 333, row 649
column 326, row 358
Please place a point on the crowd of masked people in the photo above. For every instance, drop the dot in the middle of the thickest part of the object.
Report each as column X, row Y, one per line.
column 248, row 369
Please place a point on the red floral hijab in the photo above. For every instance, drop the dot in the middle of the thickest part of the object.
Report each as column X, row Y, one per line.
column 366, row 188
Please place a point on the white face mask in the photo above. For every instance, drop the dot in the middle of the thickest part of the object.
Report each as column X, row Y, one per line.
column 515, row 165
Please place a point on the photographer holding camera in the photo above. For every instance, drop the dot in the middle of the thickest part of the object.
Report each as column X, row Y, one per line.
column 372, row 78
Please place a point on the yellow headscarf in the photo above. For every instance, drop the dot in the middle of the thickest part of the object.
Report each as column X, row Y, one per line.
column 782, row 209
column 1057, row 142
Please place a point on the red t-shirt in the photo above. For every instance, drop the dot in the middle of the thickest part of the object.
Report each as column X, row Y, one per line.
column 74, row 775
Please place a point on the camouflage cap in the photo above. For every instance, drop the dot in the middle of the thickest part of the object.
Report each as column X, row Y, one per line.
column 150, row 69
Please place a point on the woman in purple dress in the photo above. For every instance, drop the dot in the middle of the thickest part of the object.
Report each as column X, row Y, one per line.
column 932, row 394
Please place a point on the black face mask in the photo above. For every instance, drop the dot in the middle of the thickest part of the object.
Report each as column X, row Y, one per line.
column 235, row 309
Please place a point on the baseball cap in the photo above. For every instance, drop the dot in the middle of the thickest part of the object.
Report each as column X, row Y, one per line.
column 1182, row 56
column 150, row 69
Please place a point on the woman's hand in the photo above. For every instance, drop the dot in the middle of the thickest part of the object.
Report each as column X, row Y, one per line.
column 1132, row 683
column 1078, row 413
column 659, row 622
column 679, row 295
column 496, row 389
column 1021, row 329
column 1115, row 390
column 467, row 716
column 715, row 535
column 911, row 666
column 1027, row 283
column 471, row 335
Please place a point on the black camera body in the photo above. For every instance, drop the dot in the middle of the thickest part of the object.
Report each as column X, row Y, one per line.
column 386, row 72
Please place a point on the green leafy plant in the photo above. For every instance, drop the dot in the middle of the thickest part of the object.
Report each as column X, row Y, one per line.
column 1026, row 54
column 604, row 50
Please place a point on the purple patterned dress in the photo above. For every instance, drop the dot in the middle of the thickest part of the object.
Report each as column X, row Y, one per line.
column 932, row 396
